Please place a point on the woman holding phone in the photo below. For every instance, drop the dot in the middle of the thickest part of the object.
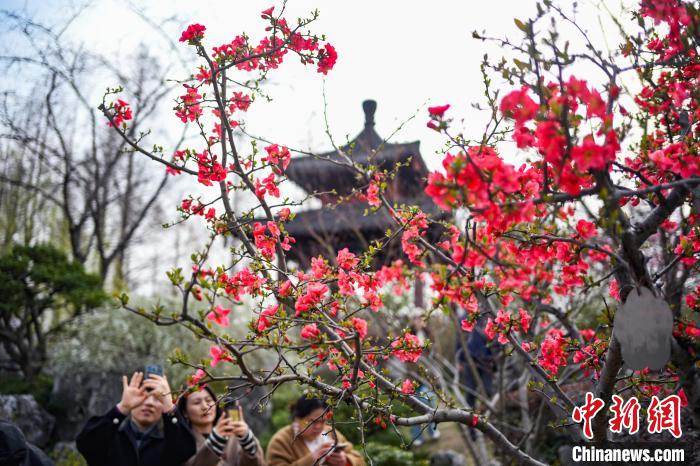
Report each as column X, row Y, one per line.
column 309, row 440
column 223, row 439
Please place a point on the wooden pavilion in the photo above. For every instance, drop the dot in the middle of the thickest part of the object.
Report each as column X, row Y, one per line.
column 341, row 221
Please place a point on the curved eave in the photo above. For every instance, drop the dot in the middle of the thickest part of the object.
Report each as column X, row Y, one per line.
column 325, row 173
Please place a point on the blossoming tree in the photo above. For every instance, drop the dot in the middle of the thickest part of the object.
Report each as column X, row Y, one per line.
column 604, row 199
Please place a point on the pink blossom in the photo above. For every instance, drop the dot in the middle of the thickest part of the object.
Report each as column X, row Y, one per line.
column 217, row 355
column 219, row 316
column 360, row 326
column 346, row 260
column 407, row 387
column 310, row 332
column 198, row 375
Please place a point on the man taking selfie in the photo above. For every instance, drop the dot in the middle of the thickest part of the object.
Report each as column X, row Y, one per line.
column 143, row 429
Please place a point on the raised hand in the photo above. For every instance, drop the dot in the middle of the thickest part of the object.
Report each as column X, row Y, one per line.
column 322, row 450
column 158, row 386
column 225, row 426
column 240, row 429
column 337, row 458
column 132, row 393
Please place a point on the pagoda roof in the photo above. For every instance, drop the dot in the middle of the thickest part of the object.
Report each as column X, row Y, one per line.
column 324, row 231
column 350, row 216
column 326, row 172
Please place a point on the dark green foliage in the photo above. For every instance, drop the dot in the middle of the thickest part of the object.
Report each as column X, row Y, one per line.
column 40, row 389
column 41, row 291
column 389, row 455
column 67, row 457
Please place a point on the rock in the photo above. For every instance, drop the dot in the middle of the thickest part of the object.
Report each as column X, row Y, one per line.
column 447, row 458
column 78, row 395
column 32, row 419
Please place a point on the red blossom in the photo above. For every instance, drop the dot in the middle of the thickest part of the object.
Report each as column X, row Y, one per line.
column 523, row 137
column 310, row 332
column 189, row 109
column 204, row 75
column 193, row 34
column 122, row 113
column 319, row 267
column 590, row 155
column 525, row 319
column 373, row 195
column 217, row 355
column 315, row 293
column 360, row 326
column 284, row 214
column 239, row 101
column 219, row 316
column 265, row 244
column 553, row 351
column 346, row 260
column 196, row 377
column 393, row 273
column 285, row 289
column 500, row 326
column 415, row 228
column 266, row 186
column 241, row 283
column 407, row 387
column 585, row 229
column 277, row 156
column 209, row 170
column 265, row 319
column 327, row 57
column 467, row 325
column 407, row 348
column 519, row 106
column 438, row 111
column 614, row 290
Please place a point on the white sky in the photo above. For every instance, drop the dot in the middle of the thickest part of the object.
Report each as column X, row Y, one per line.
column 402, row 54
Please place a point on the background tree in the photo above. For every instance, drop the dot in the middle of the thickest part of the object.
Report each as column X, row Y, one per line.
column 91, row 191
column 43, row 291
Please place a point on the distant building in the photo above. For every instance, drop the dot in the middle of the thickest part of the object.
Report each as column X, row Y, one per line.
column 341, row 221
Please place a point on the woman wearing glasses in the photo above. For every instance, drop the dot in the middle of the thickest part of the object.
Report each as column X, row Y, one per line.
column 221, row 439
column 308, row 439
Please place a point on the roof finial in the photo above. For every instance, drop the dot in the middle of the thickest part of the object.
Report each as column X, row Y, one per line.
column 369, row 106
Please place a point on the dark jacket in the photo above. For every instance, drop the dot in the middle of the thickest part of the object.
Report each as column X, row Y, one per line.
column 106, row 441
column 16, row 451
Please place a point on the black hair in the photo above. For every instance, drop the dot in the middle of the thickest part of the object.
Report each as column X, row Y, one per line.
column 304, row 406
column 182, row 403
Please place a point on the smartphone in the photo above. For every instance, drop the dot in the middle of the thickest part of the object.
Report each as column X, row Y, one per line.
column 152, row 369
column 341, row 446
column 233, row 410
